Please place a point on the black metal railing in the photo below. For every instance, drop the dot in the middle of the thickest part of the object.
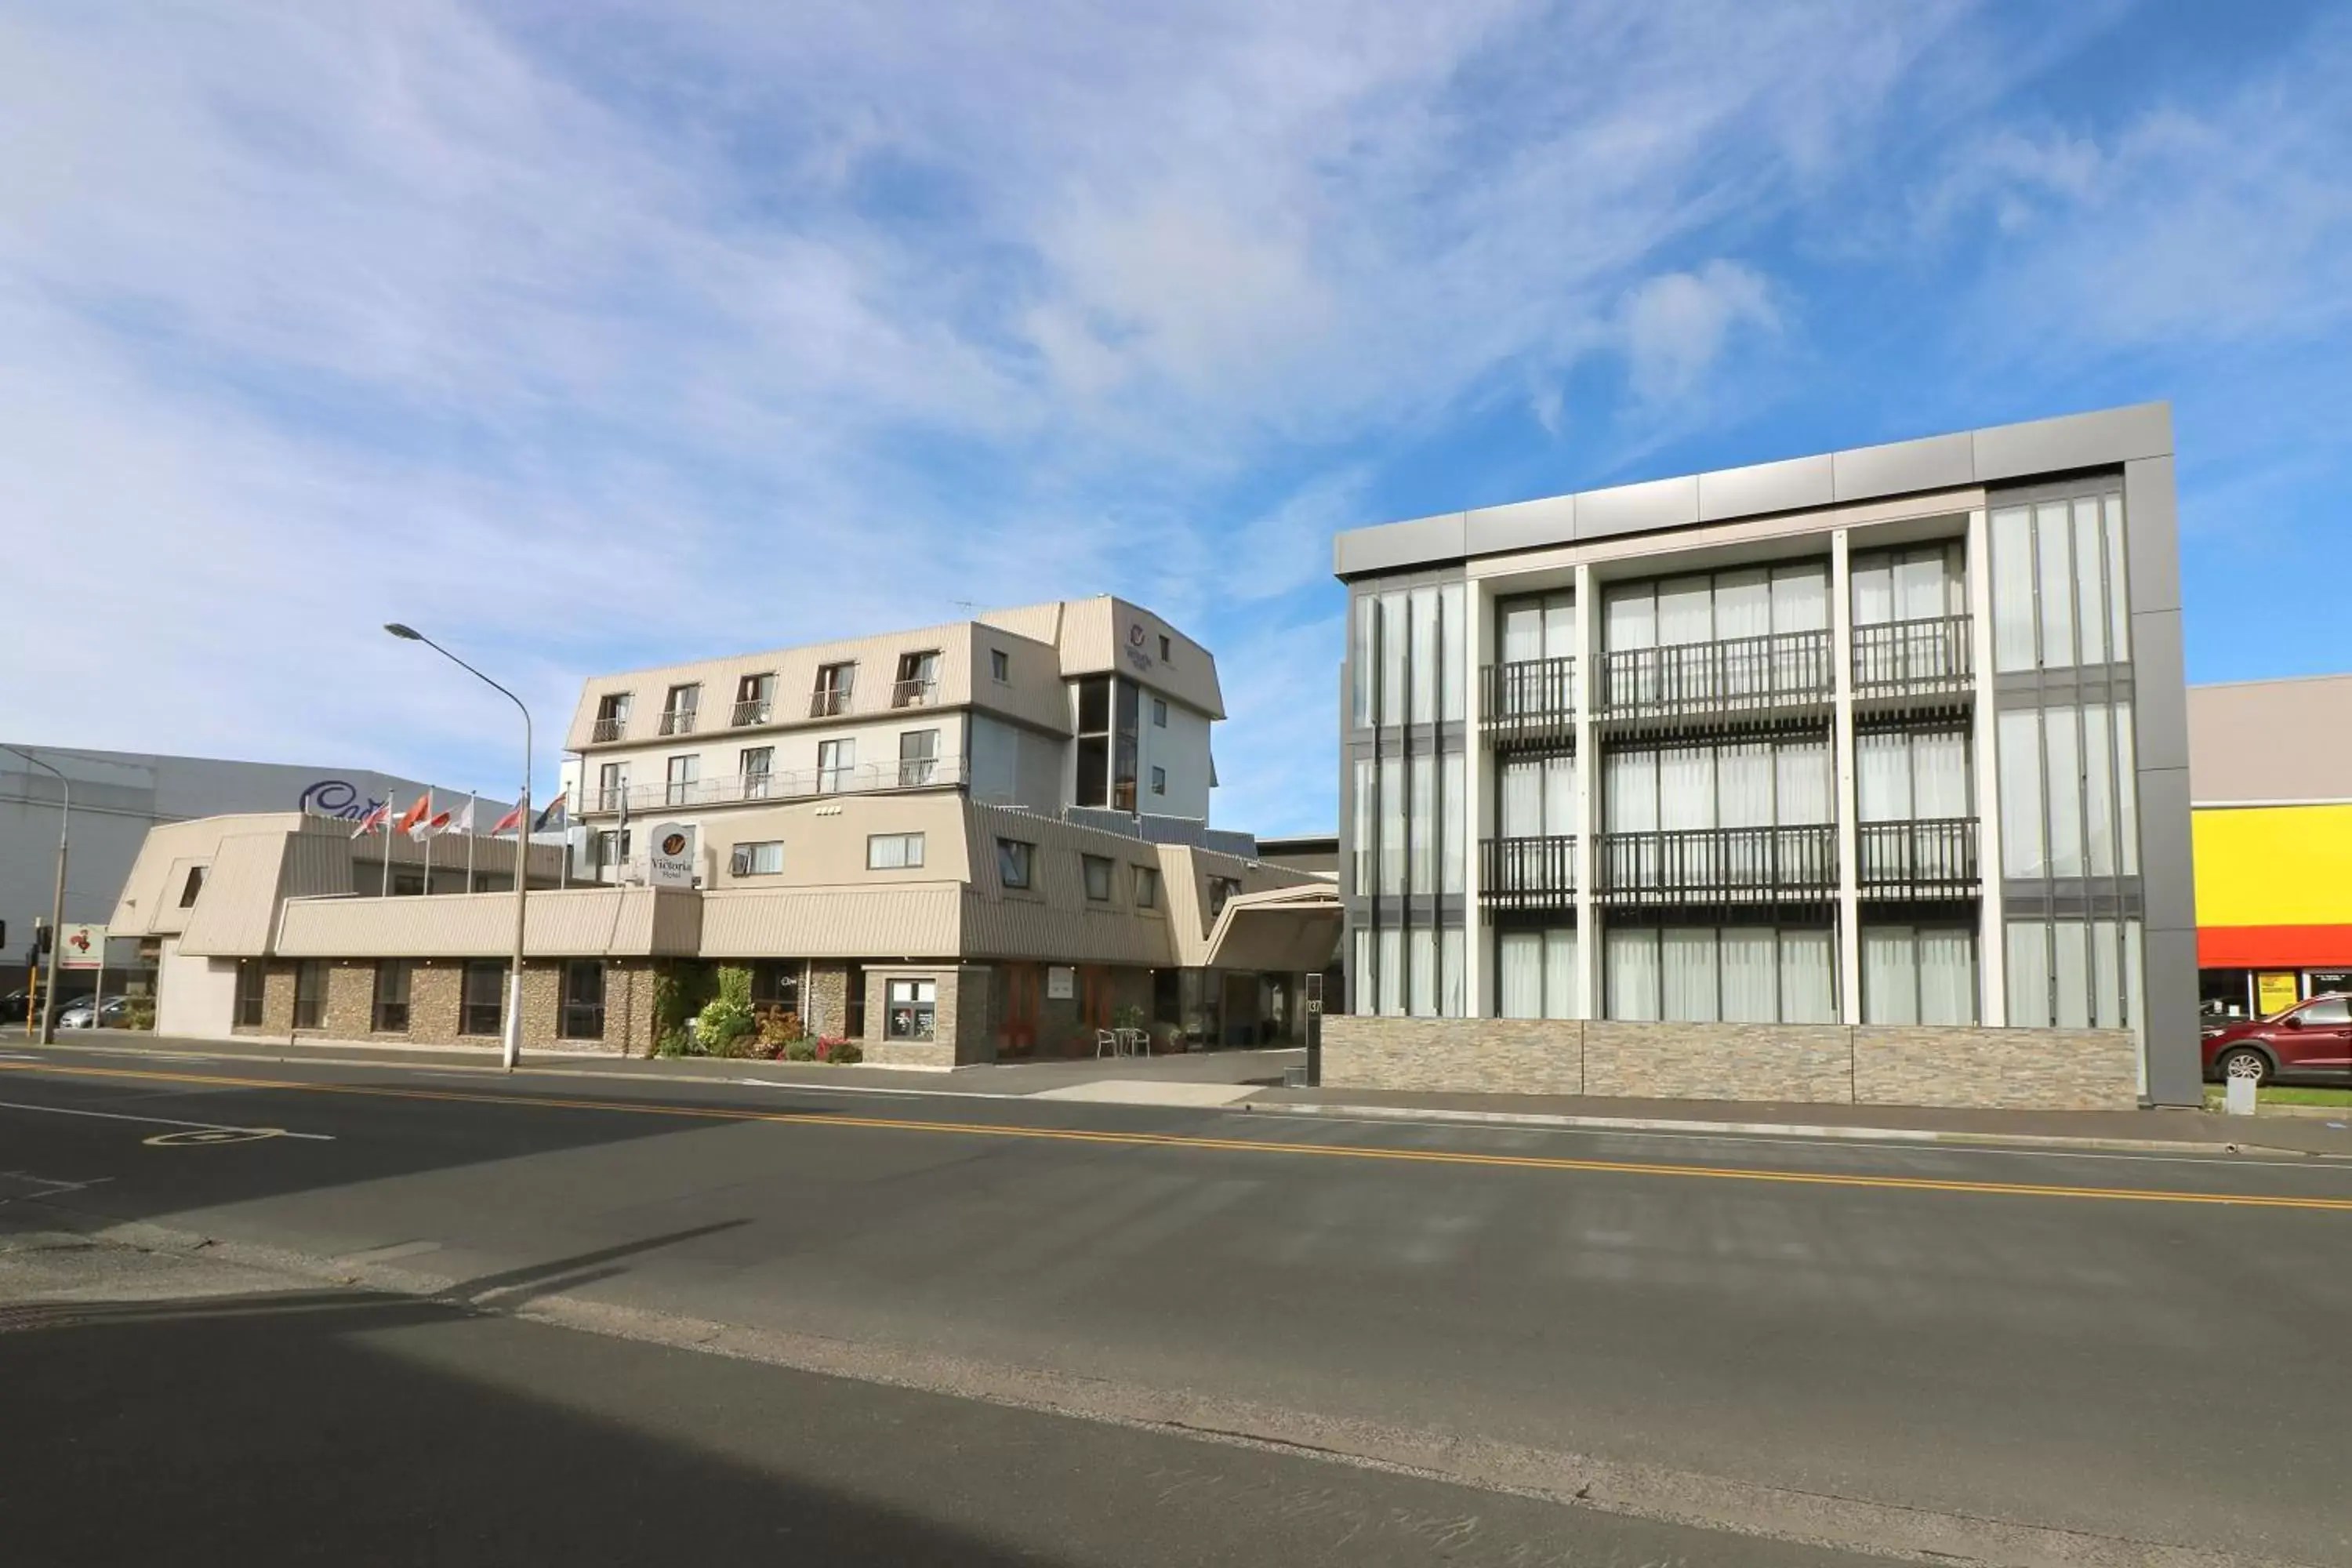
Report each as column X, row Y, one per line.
column 1779, row 669
column 1527, row 873
column 829, row 702
column 1934, row 655
column 1534, row 697
column 1728, row 865
column 677, row 722
column 1931, row 858
column 914, row 693
column 752, row 710
column 610, row 728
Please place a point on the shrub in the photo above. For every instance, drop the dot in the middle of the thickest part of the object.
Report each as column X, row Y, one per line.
column 779, row 1028
column 801, row 1050
column 680, row 989
column 844, row 1053
column 139, row 1013
column 1129, row 1016
column 726, row 1028
column 735, row 986
column 670, row 1042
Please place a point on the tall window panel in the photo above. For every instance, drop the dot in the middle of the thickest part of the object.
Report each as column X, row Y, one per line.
column 2076, row 973
column 1543, row 626
column 1389, row 703
column 1923, row 974
column 1715, row 607
column 1408, row 657
column 1362, row 662
column 1390, row 963
column 1911, row 776
column 2069, row 798
column 1393, row 811
column 1454, row 648
column 1927, row 583
column 1731, row 783
column 1421, row 951
column 1539, row 796
column 1453, row 823
column 1758, row 974
column 1366, row 826
column 2060, row 595
column 1422, row 824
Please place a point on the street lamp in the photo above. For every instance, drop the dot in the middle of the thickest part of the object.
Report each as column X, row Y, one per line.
column 56, row 900
column 511, row 1042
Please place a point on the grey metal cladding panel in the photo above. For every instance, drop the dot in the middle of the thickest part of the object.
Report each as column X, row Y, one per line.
column 1522, row 525
column 2160, row 706
column 1761, row 488
column 2167, row 873
column 2169, row 960
column 2099, row 440
column 1394, row 546
column 2152, row 535
column 1637, row 509
column 1901, row 468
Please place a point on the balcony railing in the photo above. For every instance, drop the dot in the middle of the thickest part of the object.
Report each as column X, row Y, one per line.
column 1904, row 656
column 914, row 694
column 610, row 728
column 829, row 702
column 677, row 722
column 915, row 773
column 1527, row 873
column 1931, row 858
column 752, row 710
column 1719, row 865
column 1682, row 679
column 1532, row 699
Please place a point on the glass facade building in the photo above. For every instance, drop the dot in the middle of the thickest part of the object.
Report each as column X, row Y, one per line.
column 1864, row 740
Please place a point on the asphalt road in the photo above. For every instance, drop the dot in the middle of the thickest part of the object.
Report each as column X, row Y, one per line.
column 1851, row 1342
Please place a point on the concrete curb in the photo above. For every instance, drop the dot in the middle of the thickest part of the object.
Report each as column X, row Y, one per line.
column 1768, row 1128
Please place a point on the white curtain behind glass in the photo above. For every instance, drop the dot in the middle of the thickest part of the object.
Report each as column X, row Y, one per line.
column 2128, row 800
column 1522, row 632
column 2028, row 973
column 1890, row 976
column 1560, row 973
column 2052, row 548
column 1391, row 973
column 1882, row 765
column 1424, row 657
column 1685, row 787
column 2063, row 747
column 2090, row 563
column 1393, row 820
column 1453, row 986
column 1685, row 611
column 2070, row 973
column 1873, row 590
column 1453, row 671
column 2106, row 974
column 1560, row 795
column 1453, row 825
column 1743, row 604
column 1939, row 774
column 1394, row 633
column 1803, row 782
column 1421, row 949
column 1522, row 806
column 2118, row 586
column 2021, row 852
column 1947, row 976
column 1630, row 617
column 1689, row 957
column 1520, row 977
column 1801, row 598
column 1423, row 849
column 1632, row 792
column 1750, row 962
column 1559, row 626
column 1633, row 978
column 1743, row 781
column 1808, row 978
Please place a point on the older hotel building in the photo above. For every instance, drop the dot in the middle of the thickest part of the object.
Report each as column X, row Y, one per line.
column 981, row 840
column 1866, row 770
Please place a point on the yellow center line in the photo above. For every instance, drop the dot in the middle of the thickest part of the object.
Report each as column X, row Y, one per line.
column 1234, row 1145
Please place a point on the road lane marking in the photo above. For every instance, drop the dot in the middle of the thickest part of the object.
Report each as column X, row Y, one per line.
column 168, row 1122
column 1229, row 1145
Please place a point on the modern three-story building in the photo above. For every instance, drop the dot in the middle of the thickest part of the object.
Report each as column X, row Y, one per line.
column 1890, row 739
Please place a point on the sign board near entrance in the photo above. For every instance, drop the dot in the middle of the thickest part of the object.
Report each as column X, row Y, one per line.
column 1061, row 981
column 83, row 947
column 2274, row 992
column 669, row 856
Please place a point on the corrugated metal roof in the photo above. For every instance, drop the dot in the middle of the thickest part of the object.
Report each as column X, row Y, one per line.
column 1282, row 929
column 575, row 922
column 233, row 915
column 910, row 920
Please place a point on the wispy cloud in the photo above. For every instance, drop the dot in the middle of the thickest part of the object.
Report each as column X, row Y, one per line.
column 596, row 332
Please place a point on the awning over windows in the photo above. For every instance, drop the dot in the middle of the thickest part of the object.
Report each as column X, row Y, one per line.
column 1285, row 929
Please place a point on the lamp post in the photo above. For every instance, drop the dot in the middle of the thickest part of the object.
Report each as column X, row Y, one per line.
column 512, row 1035
column 56, row 901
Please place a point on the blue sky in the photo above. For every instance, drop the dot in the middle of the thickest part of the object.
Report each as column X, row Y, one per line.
column 587, row 334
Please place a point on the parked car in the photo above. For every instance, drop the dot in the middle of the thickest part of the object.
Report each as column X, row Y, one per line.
column 2310, row 1041
column 85, row 1013
column 12, row 1006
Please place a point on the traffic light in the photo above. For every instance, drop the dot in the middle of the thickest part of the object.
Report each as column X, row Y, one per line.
column 45, row 936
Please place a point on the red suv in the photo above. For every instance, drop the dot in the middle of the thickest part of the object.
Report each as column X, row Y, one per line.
column 2309, row 1040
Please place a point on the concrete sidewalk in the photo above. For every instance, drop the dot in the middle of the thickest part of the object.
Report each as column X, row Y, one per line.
column 2183, row 1130
column 1235, row 1068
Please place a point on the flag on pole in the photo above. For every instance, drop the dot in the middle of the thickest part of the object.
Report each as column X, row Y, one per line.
column 465, row 821
column 416, row 814
column 555, row 819
column 509, row 823
column 380, row 817
column 430, row 828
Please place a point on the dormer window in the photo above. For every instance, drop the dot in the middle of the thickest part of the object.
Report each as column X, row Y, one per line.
column 612, row 717
column 918, row 685
column 755, row 699
column 834, row 684
column 678, row 708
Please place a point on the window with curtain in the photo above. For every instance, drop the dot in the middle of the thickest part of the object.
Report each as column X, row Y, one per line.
column 2076, row 973
column 1389, row 702
column 1361, row 665
column 1540, row 627
column 2060, row 594
column 1923, row 975
column 1423, row 617
column 2069, row 798
column 1741, row 783
column 1539, row 796
column 1393, row 821
column 1390, row 973
column 1421, row 985
column 1760, row 975
column 1535, row 973
column 1453, row 823
column 1454, row 645
column 1453, row 1000
column 1422, row 824
column 1366, row 824
column 1361, row 996
column 1924, row 583
column 1905, row 775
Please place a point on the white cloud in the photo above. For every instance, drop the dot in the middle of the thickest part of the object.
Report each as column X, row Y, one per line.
column 610, row 332
column 1678, row 325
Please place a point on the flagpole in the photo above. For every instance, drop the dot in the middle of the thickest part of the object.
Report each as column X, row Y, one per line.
column 469, row 841
column 428, row 839
column 385, row 827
